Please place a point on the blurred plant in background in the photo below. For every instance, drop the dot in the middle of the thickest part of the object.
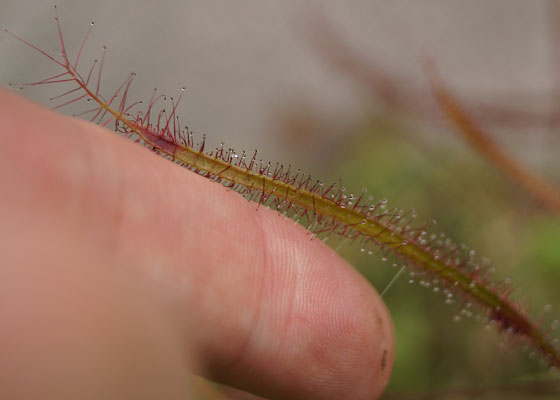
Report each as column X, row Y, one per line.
column 406, row 149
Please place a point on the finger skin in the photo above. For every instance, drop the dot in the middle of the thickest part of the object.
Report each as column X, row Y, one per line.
column 245, row 292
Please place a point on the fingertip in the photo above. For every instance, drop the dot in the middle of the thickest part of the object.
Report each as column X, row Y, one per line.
column 321, row 330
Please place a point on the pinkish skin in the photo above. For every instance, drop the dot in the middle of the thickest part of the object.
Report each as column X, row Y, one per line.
column 119, row 269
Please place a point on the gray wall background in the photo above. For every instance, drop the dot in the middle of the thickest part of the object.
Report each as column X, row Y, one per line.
column 241, row 59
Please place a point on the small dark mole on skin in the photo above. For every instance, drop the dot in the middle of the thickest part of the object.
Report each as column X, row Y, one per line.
column 384, row 360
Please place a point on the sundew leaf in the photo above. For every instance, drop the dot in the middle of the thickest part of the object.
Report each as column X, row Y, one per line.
column 325, row 209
